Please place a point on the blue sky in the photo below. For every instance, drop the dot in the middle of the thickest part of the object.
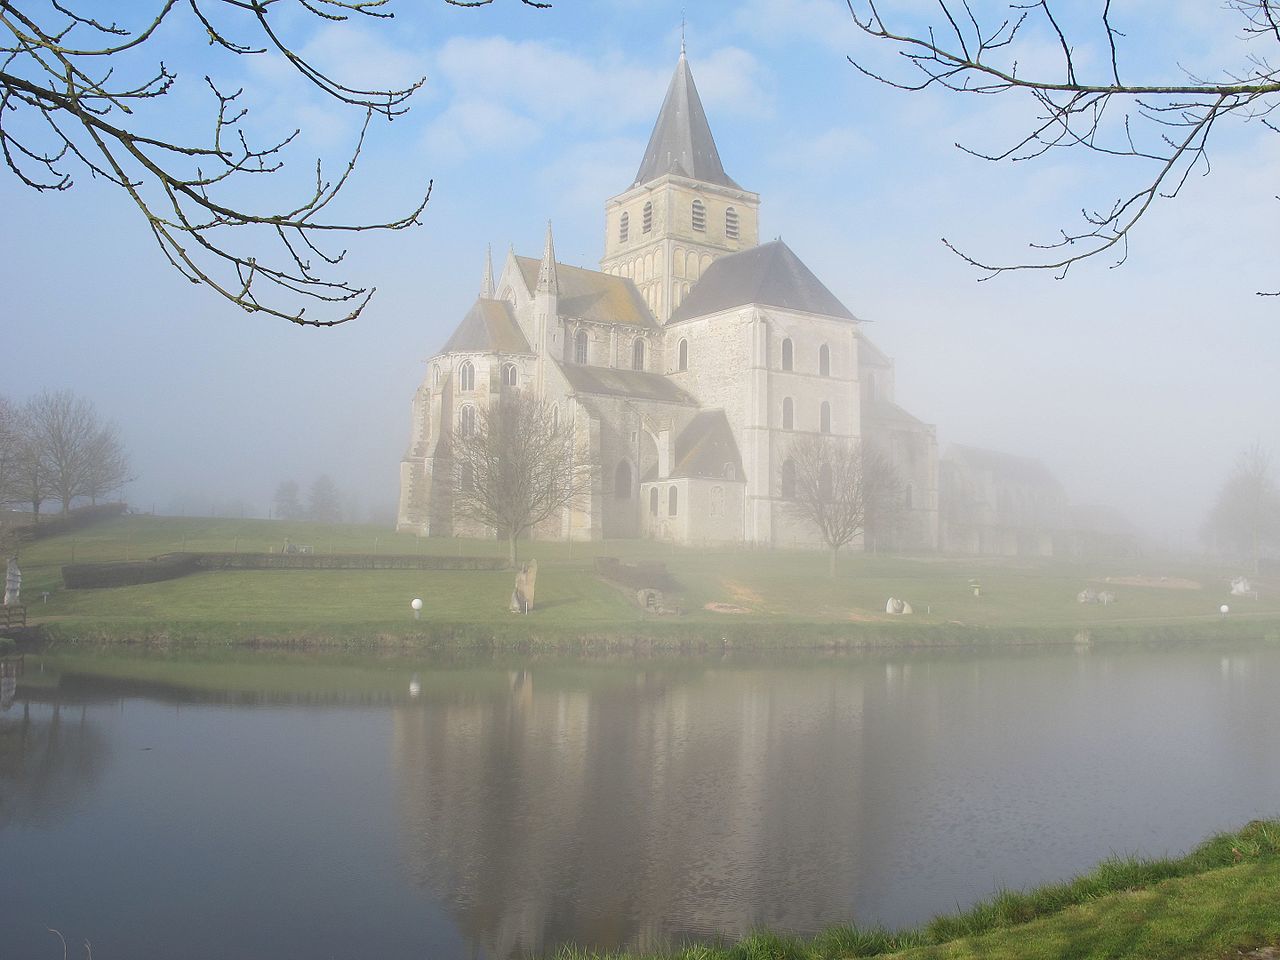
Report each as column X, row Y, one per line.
column 1137, row 385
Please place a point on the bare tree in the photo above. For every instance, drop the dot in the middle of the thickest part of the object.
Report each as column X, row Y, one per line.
column 287, row 504
column 324, row 503
column 75, row 93
column 61, row 427
column 107, row 467
column 517, row 468
column 833, row 483
column 1246, row 515
column 1162, row 128
column 10, row 453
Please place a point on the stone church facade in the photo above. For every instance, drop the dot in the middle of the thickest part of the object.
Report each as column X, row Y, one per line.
column 685, row 365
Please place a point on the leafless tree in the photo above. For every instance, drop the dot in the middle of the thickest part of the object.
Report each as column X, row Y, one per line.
column 324, row 502
column 107, row 466
column 68, row 451
column 60, row 428
column 832, row 483
column 78, row 86
column 1246, row 516
column 1163, row 129
column 517, row 468
column 10, row 452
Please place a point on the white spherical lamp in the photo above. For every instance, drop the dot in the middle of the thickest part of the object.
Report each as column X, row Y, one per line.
column 1224, row 609
column 416, row 604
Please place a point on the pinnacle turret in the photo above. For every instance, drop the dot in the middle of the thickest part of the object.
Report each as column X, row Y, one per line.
column 548, row 282
column 486, row 285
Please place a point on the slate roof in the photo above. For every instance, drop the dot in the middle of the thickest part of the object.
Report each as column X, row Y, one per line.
column 870, row 355
column 592, row 295
column 612, row 382
column 769, row 275
column 705, row 446
column 489, row 327
column 681, row 142
column 885, row 411
column 1003, row 466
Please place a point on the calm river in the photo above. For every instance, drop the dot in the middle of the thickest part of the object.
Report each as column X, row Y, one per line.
column 315, row 810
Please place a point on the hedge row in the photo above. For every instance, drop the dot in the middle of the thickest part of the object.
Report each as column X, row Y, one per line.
column 127, row 573
column 169, row 566
column 638, row 576
column 75, row 520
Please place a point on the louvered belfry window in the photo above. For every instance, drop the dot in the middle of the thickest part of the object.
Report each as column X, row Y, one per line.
column 731, row 223
column 699, row 216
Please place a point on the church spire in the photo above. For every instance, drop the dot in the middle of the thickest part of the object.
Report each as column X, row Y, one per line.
column 681, row 142
column 547, row 279
column 486, row 285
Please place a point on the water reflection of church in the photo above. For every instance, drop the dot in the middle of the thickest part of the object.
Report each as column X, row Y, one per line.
column 563, row 809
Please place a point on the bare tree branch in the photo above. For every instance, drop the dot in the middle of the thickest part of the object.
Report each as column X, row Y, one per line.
column 1163, row 128
column 62, row 108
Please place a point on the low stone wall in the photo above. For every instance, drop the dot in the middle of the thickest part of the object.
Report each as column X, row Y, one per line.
column 169, row 566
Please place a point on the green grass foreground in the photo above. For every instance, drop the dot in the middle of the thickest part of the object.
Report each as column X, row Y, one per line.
column 750, row 597
column 1219, row 900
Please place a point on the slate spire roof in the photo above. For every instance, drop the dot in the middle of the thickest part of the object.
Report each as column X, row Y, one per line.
column 770, row 275
column 681, row 142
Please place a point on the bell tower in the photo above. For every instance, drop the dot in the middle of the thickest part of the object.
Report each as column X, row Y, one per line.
column 682, row 211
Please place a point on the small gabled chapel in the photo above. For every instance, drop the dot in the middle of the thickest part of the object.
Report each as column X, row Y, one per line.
column 685, row 366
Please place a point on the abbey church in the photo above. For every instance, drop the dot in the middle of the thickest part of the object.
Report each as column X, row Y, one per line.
column 686, row 365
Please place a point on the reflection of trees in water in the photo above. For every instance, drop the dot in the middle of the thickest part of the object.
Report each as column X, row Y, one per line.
column 712, row 802
column 49, row 756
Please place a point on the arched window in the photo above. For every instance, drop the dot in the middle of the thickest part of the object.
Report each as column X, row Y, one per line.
column 624, row 226
column 824, row 482
column 673, row 501
column 466, row 376
column 717, row 501
column 653, row 501
column 555, row 418
column 580, row 347
column 435, row 375
column 646, row 224
column 730, row 472
column 509, row 374
column 467, row 421
column 637, row 353
column 788, row 479
column 731, row 223
column 824, row 418
column 907, row 497
column 683, row 355
column 824, row 361
column 699, row 216
column 788, row 354
column 622, row 481
column 788, row 414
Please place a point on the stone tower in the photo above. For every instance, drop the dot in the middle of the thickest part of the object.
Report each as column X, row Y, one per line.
column 682, row 211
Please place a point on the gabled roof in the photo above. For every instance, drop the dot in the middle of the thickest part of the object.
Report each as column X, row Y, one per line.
column 681, row 142
column 706, row 446
column 869, row 355
column 611, row 382
column 769, row 275
column 592, row 295
column 489, row 327
column 1003, row 466
column 886, row 411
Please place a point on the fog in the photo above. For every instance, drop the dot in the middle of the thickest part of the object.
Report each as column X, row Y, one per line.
column 1136, row 386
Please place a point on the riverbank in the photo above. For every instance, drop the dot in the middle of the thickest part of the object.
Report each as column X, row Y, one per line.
column 742, row 598
column 1216, row 902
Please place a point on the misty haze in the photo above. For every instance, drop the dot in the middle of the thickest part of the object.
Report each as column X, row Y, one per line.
column 784, row 478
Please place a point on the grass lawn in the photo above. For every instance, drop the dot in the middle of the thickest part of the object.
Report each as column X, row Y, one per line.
column 760, row 591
